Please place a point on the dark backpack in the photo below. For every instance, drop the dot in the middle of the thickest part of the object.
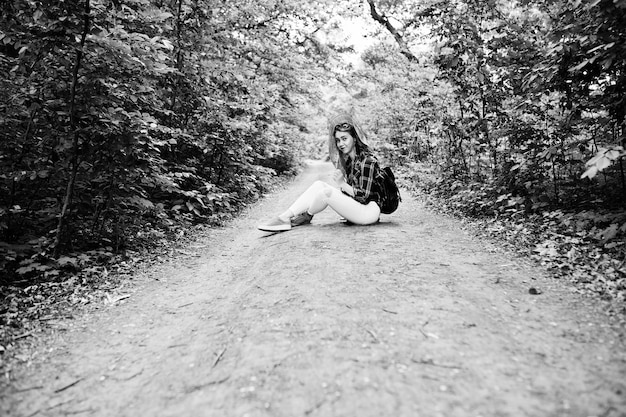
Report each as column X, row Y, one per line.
column 390, row 194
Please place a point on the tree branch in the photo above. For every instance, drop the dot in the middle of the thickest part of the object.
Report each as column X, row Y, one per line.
column 383, row 20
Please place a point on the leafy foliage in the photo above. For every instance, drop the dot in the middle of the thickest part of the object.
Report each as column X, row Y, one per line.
column 526, row 96
column 135, row 111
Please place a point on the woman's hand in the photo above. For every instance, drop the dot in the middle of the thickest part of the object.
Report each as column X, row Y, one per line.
column 338, row 177
column 347, row 188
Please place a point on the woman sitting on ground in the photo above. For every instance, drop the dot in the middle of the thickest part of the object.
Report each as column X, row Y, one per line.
column 355, row 195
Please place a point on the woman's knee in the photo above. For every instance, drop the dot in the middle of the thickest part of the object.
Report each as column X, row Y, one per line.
column 320, row 184
column 317, row 186
column 322, row 187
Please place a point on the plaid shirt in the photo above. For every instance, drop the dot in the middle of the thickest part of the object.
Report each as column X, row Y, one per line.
column 362, row 177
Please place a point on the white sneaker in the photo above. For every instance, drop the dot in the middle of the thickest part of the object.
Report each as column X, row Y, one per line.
column 275, row 225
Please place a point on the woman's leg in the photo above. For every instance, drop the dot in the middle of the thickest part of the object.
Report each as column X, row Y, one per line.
column 350, row 209
column 311, row 200
column 321, row 195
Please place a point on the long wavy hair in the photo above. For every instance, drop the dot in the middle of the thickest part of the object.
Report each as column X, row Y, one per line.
column 345, row 122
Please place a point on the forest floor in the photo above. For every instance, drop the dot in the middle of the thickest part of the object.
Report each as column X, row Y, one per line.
column 413, row 316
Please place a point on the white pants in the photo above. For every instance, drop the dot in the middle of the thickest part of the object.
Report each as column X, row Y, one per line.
column 321, row 195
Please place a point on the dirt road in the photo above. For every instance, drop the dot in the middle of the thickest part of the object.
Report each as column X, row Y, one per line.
column 410, row 317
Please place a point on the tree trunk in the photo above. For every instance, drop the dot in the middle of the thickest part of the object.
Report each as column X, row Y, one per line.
column 383, row 20
column 179, row 66
column 74, row 161
column 554, row 180
column 623, row 178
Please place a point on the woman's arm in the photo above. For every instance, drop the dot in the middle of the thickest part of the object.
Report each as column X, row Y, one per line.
column 347, row 188
column 341, row 182
column 363, row 191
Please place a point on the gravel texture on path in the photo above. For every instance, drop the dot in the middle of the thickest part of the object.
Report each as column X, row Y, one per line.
column 409, row 317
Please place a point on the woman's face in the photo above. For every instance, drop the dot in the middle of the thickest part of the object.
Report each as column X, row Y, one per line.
column 345, row 142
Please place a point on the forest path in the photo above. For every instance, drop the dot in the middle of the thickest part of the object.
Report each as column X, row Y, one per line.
column 410, row 317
